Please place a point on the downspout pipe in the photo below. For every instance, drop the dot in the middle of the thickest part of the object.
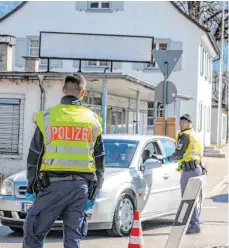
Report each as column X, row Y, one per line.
column 42, row 97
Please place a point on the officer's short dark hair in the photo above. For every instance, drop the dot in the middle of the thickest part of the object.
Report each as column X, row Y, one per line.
column 186, row 117
column 75, row 83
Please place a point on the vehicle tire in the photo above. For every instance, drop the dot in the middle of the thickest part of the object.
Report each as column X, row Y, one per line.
column 123, row 216
column 16, row 229
column 199, row 202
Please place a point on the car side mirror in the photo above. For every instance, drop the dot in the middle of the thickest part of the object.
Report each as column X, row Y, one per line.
column 151, row 164
column 158, row 157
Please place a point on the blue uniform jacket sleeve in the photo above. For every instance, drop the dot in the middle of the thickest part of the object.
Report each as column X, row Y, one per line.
column 34, row 159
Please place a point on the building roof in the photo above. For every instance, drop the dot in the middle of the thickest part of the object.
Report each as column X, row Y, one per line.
column 25, row 76
column 211, row 38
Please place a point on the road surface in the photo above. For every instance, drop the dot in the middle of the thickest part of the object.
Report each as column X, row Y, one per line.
column 214, row 233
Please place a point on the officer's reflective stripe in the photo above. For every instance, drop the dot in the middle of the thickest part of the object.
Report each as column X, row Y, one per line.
column 64, row 149
column 64, row 167
column 57, row 155
column 80, row 163
column 47, row 126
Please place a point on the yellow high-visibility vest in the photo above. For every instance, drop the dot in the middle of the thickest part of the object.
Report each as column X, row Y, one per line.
column 194, row 151
column 69, row 133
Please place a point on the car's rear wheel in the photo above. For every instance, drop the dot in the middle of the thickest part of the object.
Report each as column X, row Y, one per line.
column 123, row 216
column 16, row 229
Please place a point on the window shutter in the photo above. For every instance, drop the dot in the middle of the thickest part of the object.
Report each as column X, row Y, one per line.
column 75, row 64
column 56, row 63
column 9, row 126
column 117, row 5
column 138, row 66
column 177, row 45
column 117, row 65
column 81, row 5
column 20, row 51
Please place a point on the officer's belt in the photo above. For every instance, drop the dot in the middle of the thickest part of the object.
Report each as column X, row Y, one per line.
column 68, row 178
column 190, row 165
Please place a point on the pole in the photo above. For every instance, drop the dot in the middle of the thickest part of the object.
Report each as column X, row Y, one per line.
column 137, row 110
column 104, row 103
column 219, row 119
column 165, row 95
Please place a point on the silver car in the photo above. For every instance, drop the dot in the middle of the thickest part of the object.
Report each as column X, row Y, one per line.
column 137, row 176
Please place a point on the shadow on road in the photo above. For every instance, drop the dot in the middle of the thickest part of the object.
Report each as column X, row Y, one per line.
column 7, row 236
column 220, row 198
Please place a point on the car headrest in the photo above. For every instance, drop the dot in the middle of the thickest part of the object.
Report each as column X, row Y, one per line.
column 123, row 148
column 145, row 155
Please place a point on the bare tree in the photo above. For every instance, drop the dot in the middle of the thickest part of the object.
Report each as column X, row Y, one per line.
column 215, row 85
column 208, row 14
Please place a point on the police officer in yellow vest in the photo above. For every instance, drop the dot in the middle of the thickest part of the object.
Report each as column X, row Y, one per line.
column 65, row 167
column 189, row 155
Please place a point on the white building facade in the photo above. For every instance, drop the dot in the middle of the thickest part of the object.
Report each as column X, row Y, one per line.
column 170, row 28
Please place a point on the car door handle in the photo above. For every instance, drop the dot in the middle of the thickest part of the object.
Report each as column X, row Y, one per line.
column 166, row 176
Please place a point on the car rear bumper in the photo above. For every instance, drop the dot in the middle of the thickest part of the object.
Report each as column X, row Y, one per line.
column 11, row 214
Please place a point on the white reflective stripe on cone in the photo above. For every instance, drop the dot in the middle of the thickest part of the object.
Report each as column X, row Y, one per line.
column 136, row 240
column 137, row 224
column 184, row 212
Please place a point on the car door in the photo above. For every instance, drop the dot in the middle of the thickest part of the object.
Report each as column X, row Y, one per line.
column 157, row 189
column 172, row 176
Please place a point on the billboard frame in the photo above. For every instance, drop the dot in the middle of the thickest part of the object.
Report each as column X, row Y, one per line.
column 92, row 34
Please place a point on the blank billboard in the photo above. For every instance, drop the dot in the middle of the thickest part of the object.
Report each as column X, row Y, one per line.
column 106, row 47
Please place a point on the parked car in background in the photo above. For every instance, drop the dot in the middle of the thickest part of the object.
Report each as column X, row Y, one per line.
column 137, row 176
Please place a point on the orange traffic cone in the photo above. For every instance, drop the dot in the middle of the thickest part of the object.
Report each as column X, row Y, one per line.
column 136, row 239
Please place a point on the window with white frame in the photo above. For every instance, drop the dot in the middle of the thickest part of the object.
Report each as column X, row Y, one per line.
column 209, row 70
column 208, row 118
column 207, row 66
column 99, row 5
column 200, row 116
column 97, row 63
column 34, row 50
column 157, row 46
column 202, row 60
column 9, row 126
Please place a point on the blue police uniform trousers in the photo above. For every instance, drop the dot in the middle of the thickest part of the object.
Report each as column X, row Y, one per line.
column 65, row 199
column 195, row 222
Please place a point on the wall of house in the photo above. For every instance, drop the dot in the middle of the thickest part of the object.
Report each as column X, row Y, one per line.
column 214, row 126
column 29, row 93
column 160, row 19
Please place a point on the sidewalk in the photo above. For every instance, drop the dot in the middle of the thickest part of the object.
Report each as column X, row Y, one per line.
column 217, row 169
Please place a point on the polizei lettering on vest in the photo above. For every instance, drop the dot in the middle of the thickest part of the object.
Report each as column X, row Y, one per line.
column 71, row 133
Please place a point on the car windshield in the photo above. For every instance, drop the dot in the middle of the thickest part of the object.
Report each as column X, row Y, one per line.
column 119, row 153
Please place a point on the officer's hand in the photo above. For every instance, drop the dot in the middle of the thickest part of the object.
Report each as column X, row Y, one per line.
column 30, row 197
column 89, row 205
column 168, row 159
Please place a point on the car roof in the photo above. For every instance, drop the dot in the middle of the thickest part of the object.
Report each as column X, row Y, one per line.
column 137, row 137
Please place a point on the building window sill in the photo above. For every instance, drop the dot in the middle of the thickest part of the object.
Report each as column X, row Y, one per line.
column 151, row 69
column 11, row 156
column 96, row 66
column 99, row 10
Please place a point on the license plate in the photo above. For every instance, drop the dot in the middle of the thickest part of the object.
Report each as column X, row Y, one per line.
column 25, row 206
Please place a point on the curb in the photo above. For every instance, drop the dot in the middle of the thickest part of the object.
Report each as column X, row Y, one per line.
column 218, row 186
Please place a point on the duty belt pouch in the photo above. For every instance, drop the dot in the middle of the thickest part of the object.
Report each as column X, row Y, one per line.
column 192, row 165
column 43, row 180
column 84, row 227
